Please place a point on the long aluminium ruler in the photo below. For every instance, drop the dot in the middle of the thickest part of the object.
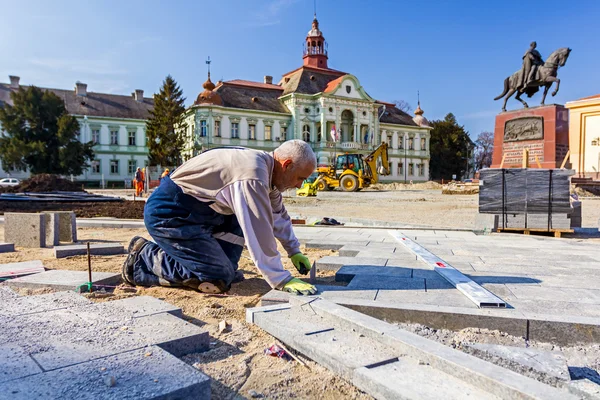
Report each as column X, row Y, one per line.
column 477, row 294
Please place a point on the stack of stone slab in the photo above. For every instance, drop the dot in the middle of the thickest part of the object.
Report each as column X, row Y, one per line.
column 40, row 229
column 62, row 346
column 526, row 198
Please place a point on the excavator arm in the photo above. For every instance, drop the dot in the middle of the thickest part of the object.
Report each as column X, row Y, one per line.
column 371, row 160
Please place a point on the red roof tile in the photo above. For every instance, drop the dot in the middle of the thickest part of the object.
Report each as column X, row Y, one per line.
column 333, row 84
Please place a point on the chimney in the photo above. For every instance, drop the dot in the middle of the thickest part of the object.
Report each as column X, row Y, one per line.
column 138, row 95
column 269, row 79
column 80, row 89
column 14, row 81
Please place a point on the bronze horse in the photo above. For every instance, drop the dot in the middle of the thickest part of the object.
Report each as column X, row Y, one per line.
column 544, row 76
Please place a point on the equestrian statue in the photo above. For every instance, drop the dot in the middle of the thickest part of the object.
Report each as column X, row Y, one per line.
column 535, row 73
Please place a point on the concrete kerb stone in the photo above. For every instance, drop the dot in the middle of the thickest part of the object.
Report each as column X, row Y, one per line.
column 25, row 229
column 21, row 268
column 65, row 280
column 469, row 369
column 61, row 226
column 251, row 312
column 138, row 374
column 333, row 263
column 97, row 249
column 52, row 229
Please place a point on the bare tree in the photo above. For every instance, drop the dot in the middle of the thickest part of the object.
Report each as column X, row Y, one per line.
column 403, row 105
column 484, row 148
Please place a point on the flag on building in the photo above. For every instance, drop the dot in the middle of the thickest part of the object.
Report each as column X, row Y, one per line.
column 333, row 133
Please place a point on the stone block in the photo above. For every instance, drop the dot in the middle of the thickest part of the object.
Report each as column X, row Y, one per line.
column 61, row 226
column 366, row 282
column 346, row 273
column 65, row 280
column 449, row 298
column 147, row 373
column 23, row 305
column 16, row 363
column 25, row 229
column 486, row 223
column 141, row 306
column 274, row 297
column 340, row 293
column 7, row 247
column 333, row 263
column 21, row 268
column 98, row 249
column 546, row 366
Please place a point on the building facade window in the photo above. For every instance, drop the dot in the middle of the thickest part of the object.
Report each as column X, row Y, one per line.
column 306, row 133
column 217, row 131
column 400, row 169
column 421, row 169
column 131, row 138
column 411, row 143
column 203, row 128
column 95, row 166
column 401, row 142
column 423, row 144
column 252, row 132
column 235, row 130
column 114, row 167
column 389, row 141
column 283, row 133
column 411, row 169
column 268, row 133
column 114, row 137
column 95, row 136
column 131, row 166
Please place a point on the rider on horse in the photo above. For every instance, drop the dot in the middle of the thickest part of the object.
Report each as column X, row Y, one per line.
column 531, row 61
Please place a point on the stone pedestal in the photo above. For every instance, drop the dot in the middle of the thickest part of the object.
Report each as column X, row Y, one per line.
column 543, row 130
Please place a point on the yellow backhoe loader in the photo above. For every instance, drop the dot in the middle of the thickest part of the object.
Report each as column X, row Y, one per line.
column 309, row 186
column 353, row 172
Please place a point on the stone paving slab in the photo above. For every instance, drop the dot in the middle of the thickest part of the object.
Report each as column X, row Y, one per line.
column 581, row 296
column 16, row 363
column 141, row 306
column 449, row 298
column 333, row 263
column 346, row 273
column 21, row 268
column 7, row 247
column 23, row 305
column 65, row 280
column 97, row 249
column 551, row 366
column 136, row 374
column 366, row 282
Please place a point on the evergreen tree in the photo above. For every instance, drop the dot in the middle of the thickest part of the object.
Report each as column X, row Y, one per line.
column 40, row 135
column 166, row 127
column 450, row 149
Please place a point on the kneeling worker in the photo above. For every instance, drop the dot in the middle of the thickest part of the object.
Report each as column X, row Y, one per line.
column 202, row 214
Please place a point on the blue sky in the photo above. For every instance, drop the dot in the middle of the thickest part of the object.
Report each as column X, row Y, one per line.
column 456, row 53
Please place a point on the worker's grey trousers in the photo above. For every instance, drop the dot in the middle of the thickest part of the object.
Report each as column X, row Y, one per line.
column 193, row 243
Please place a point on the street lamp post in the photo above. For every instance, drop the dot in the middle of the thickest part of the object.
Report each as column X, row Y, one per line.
column 405, row 165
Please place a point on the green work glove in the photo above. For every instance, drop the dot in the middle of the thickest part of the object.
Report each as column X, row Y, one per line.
column 296, row 286
column 301, row 262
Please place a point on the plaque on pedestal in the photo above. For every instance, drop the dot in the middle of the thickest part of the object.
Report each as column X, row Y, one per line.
column 544, row 131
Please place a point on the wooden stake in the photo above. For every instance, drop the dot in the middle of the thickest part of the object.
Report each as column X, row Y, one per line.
column 525, row 163
column 89, row 257
column 502, row 162
column 537, row 160
column 562, row 166
column 291, row 355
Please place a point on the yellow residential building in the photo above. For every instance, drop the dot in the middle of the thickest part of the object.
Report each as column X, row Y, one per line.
column 584, row 136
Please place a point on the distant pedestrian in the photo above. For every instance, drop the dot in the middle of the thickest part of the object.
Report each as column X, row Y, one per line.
column 138, row 182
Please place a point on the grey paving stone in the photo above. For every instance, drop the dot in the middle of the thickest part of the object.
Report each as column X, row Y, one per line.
column 274, row 297
column 23, row 305
column 7, row 294
column 65, row 280
column 339, row 293
column 500, row 290
column 405, row 261
column 346, row 273
column 98, row 249
column 438, row 283
column 141, row 306
column 581, row 296
column 499, row 278
column 21, row 268
column 449, row 298
column 25, row 229
column 311, row 244
column 7, row 247
column 16, row 363
column 333, row 263
column 548, row 366
column 137, row 376
column 405, row 378
column 366, row 282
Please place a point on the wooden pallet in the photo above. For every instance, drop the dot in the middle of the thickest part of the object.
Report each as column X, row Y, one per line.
column 529, row 231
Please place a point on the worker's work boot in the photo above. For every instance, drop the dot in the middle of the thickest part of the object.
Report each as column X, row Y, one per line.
column 134, row 248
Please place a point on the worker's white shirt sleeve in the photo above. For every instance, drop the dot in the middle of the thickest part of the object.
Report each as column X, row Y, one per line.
column 251, row 204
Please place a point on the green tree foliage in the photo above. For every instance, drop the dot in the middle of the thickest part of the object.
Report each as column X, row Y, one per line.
column 450, row 149
column 166, row 127
column 40, row 135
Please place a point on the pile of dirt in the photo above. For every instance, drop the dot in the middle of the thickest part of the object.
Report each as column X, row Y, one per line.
column 587, row 190
column 405, row 186
column 115, row 209
column 460, row 188
column 44, row 183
